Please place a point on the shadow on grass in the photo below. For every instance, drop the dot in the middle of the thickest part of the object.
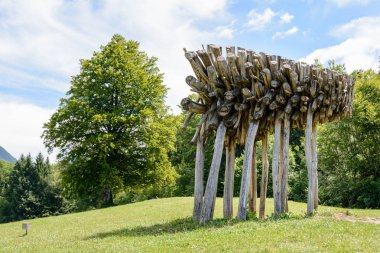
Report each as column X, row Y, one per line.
column 186, row 225
column 172, row 227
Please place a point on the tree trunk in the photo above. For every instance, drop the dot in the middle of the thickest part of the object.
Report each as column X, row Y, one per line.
column 276, row 166
column 285, row 156
column 229, row 180
column 107, row 197
column 309, row 161
column 212, row 181
column 247, row 167
column 315, row 165
column 198, row 181
column 253, row 188
column 264, row 176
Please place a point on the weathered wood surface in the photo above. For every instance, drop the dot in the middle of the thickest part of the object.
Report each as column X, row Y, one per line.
column 315, row 165
column 253, row 188
column 276, row 166
column 309, row 162
column 229, row 180
column 285, row 157
column 264, row 175
column 198, row 181
column 247, row 168
column 212, row 181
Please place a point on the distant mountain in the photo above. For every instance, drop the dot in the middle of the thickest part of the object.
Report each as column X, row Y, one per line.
column 4, row 155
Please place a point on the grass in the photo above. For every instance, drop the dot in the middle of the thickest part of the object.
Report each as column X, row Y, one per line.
column 165, row 225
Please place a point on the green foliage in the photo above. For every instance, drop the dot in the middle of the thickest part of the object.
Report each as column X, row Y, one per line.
column 5, row 170
column 112, row 130
column 349, row 158
column 298, row 171
column 28, row 193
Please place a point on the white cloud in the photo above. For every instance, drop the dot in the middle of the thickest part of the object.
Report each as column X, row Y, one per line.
column 50, row 37
column 342, row 3
column 257, row 21
column 41, row 43
column 21, row 126
column 360, row 48
column 286, row 18
column 281, row 35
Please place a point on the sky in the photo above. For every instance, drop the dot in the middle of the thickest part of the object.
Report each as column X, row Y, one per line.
column 41, row 43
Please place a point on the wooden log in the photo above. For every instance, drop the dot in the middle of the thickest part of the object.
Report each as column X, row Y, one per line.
column 229, row 179
column 267, row 77
column 223, row 71
column 191, row 106
column 276, row 165
column 212, row 122
column 247, row 168
column 309, row 161
column 264, row 175
column 242, row 60
column 231, row 120
column 198, row 180
column 212, row 181
column 197, row 65
column 285, row 157
column 225, row 109
column 253, row 189
column 315, row 165
column 269, row 96
column 187, row 119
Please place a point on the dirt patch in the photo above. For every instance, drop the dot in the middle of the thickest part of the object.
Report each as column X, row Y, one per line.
column 346, row 217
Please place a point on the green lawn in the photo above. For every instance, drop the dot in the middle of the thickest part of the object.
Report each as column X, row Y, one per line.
column 164, row 225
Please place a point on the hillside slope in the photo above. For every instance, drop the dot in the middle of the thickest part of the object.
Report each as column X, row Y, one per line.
column 164, row 225
column 4, row 155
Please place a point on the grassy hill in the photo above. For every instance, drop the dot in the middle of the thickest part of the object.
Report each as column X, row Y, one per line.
column 164, row 225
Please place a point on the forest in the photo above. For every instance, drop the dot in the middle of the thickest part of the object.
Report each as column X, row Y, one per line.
column 118, row 143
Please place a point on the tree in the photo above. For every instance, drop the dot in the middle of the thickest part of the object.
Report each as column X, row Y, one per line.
column 29, row 194
column 113, row 131
column 349, row 160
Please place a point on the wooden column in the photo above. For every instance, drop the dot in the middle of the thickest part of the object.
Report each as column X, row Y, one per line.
column 276, row 166
column 253, row 188
column 212, row 181
column 309, row 161
column 198, row 181
column 229, row 179
column 247, row 167
column 264, row 175
column 285, row 157
column 315, row 165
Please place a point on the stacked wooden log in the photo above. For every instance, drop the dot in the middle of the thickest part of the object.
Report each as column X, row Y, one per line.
column 245, row 96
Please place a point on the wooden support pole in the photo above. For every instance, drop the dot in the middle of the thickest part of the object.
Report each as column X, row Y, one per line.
column 247, row 167
column 285, row 157
column 229, row 180
column 281, row 165
column 212, row 181
column 264, row 175
column 198, row 181
column 315, row 165
column 253, row 188
column 276, row 166
column 309, row 161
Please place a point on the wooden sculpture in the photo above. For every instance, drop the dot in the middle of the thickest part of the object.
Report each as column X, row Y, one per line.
column 245, row 96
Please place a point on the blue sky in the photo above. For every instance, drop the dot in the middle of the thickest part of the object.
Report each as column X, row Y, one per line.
column 42, row 41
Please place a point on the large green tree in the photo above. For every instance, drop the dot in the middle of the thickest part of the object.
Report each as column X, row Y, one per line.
column 349, row 150
column 112, row 130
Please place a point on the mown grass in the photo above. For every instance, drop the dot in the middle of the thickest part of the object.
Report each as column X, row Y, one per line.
column 165, row 225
